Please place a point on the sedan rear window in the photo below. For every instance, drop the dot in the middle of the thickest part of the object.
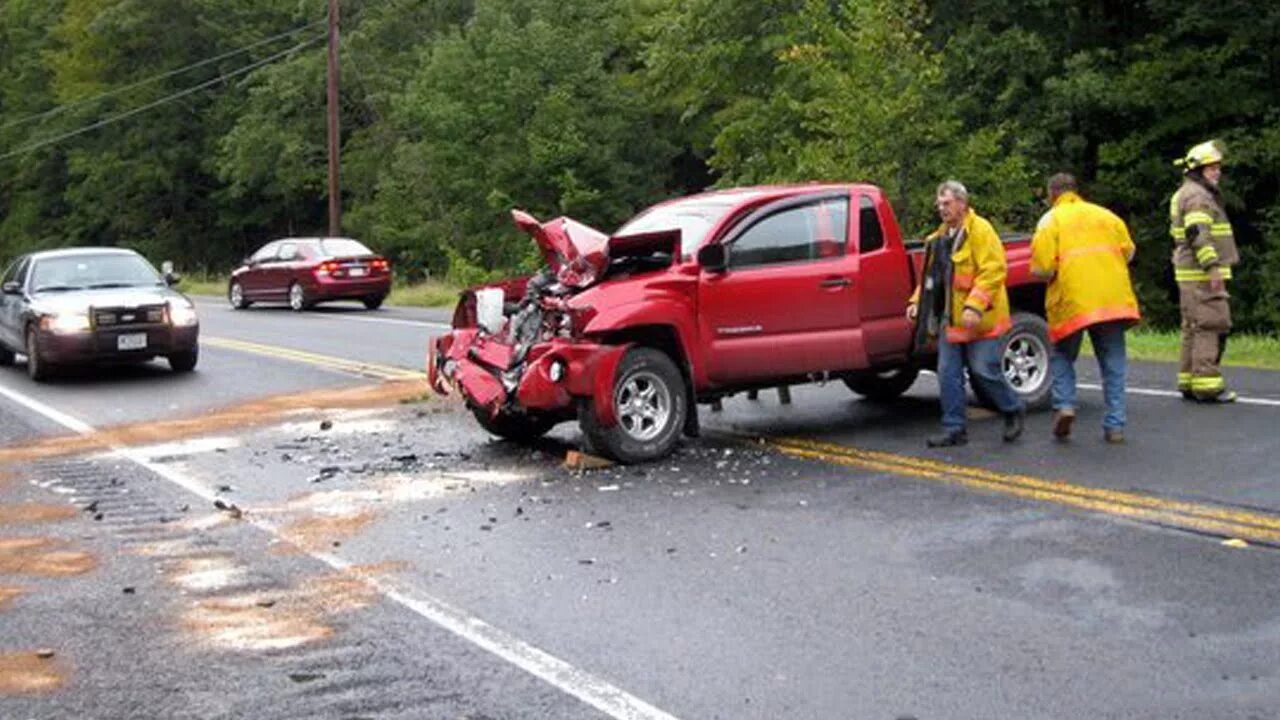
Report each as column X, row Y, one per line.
column 342, row 247
column 89, row 272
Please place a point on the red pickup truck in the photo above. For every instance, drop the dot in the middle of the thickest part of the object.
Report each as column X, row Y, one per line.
column 701, row 297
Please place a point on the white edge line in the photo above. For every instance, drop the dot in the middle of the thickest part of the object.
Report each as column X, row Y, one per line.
column 581, row 684
column 1242, row 400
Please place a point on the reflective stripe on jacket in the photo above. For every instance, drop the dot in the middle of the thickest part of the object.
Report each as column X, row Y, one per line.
column 1084, row 250
column 1202, row 237
column 977, row 281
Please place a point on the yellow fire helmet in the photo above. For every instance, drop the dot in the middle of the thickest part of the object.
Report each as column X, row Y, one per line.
column 1206, row 153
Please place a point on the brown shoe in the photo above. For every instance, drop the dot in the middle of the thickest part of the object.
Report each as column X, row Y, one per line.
column 1062, row 420
column 1114, row 436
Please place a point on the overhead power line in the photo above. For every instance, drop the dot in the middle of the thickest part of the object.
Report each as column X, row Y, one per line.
column 156, row 78
column 167, row 99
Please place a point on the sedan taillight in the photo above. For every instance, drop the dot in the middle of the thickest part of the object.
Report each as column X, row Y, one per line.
column 327, row 268
column 380, row 265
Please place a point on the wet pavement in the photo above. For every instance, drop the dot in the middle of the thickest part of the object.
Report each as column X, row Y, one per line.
column 387, row 559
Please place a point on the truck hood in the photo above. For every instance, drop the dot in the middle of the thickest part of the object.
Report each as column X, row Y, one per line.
column 579, row 254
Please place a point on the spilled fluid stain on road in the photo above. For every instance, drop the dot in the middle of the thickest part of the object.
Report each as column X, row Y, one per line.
column 8, row 593
column 44, row 557
column 23, row 673
column 281, row 618
column 320, row 532
column 246, row 415
column 32, row 513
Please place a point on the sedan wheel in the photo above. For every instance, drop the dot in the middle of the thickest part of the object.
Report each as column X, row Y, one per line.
column 37, row 368
column 297, row 298
column 235, row 296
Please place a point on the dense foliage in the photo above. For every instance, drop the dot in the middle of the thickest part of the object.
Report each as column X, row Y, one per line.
column 194, row 129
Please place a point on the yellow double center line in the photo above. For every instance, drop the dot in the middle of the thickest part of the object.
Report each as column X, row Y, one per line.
column 357, row 367
column 1216, row 520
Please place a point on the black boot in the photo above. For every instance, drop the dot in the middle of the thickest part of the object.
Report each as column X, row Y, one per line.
column 949, row 438
column 1013, row 422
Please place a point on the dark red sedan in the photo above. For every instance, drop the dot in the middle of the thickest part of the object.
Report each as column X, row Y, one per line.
column 306, row 271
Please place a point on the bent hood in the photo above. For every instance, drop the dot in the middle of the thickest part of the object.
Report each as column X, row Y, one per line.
column 579, row 255
column 576, row 253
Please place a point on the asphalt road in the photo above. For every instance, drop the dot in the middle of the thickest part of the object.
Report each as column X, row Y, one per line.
column 803, row 561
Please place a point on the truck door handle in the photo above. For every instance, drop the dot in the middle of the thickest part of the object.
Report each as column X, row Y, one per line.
column 836, row 282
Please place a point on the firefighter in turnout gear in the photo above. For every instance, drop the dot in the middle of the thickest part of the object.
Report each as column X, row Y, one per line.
column 1204, row 252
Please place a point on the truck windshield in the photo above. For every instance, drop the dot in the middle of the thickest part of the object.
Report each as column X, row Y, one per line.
column 694, row 218
column 82, row 272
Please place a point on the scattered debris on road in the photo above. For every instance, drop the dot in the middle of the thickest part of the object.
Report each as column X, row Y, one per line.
column 580, row 461
column 229, row 508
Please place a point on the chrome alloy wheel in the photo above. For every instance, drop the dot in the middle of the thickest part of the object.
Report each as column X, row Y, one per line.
column 643, row 404
column 237, row 296
column 1026, row 363
column 296, row 299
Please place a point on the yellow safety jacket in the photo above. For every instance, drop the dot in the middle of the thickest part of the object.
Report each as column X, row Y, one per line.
column 1202, row 237
column 977, row 281
column 1084, row 250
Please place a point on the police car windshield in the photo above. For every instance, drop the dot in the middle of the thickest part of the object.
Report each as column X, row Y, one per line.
column 92, row 272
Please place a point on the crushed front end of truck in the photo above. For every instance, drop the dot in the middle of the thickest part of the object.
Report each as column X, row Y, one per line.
column 520, row 355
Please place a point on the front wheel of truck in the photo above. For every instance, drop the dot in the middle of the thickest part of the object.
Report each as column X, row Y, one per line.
column 650, row 404
column 516, row 428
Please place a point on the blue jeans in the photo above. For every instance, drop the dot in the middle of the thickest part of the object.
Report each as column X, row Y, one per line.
column 983, row 360
column 1108, row 345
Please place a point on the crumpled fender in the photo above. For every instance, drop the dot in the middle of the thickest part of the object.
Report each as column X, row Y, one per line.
column 603, row 372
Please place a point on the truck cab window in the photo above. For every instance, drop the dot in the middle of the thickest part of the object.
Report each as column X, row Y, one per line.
column 798, row 234
column 870, row 234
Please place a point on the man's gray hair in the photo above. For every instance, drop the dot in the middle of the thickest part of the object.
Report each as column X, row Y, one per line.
column 1062, row 182
column 956, row 189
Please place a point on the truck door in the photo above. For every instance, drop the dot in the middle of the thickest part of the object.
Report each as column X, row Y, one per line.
column 886, row 281
column 787, row 303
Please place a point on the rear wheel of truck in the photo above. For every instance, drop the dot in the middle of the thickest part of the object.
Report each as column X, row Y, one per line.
column 1024, row 357
column 650, row 404
column 513, row 427
column 882, row 385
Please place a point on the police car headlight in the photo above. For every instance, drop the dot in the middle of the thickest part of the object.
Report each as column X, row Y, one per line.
column 66, row 323
column 182, row 314
column 556, row 371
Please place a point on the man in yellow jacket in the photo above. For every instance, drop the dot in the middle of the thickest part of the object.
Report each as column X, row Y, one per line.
column 964, row 276
column 1204, row 251
column 1084, row 251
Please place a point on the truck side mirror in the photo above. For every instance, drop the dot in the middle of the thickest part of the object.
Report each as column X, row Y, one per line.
column 714, row 257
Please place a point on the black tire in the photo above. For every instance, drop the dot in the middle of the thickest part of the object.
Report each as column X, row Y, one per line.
column 38, row 368
column 882, row 385
column 184, row 362
column 516, row 428
column 6, row 356
column 1024, row 356
column 235, row 296
column 373, row 302
column 643, row 372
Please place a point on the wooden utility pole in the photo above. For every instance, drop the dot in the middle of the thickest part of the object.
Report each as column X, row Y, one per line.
column 335, row 186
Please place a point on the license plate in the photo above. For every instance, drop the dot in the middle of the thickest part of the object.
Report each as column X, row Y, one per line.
column 132, row 341
column 357, row 272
